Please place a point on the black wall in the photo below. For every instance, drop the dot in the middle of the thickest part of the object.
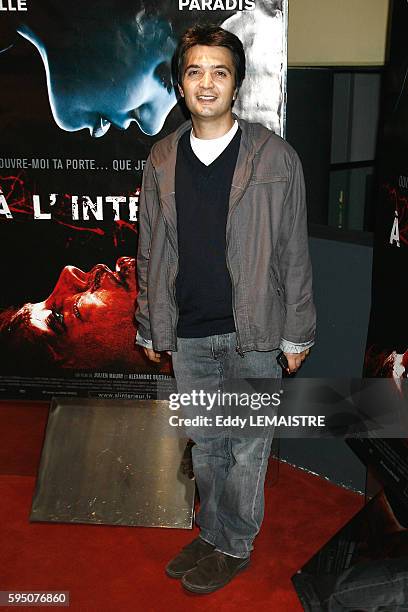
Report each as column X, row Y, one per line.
column 342, row 288
column 308, row 130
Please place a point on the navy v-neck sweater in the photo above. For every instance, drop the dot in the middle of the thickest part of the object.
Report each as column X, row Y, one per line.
column 203, row 283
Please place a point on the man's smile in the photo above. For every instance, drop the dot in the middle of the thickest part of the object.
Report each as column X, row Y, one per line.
column 206, row 98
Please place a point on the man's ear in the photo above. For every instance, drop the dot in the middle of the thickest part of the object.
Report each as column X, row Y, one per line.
column 180, row 90
column 234, row 97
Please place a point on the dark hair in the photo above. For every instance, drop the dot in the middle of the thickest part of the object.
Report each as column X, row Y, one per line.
column 211, row 36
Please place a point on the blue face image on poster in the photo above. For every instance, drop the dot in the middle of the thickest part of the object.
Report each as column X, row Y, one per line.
column 104, row 64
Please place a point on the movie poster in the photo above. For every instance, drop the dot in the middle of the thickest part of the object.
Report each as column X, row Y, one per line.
column 86, row 89
column 386, row 353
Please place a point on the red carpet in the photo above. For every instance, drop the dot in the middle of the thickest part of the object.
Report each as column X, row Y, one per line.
column 111, row 569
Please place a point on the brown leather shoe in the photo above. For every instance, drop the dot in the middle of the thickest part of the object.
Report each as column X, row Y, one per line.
column 213, row 572
column 188, row 557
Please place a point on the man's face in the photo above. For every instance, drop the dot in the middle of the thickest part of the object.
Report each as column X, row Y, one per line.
column 208, row 83
column 88, row 320
column 111, row 75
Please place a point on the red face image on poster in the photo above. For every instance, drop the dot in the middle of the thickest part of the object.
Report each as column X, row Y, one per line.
column 85, row 323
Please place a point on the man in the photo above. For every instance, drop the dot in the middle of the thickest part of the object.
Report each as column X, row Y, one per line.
column 224, row 280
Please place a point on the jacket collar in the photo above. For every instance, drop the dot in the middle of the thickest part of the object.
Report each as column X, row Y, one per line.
column 164, row 154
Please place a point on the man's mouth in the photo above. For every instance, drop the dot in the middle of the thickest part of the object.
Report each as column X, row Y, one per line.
column 206, row 98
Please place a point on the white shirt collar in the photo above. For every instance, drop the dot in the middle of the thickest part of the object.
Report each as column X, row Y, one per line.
column 207, row 150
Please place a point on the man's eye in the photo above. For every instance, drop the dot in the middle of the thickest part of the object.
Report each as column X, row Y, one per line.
column 192, row 73
column 221, row 73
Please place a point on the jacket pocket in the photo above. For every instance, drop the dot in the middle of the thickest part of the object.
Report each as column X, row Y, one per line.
column 277, row 286
column 267, row 178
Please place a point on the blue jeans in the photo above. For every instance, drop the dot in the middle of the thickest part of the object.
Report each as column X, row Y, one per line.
column 229, row 469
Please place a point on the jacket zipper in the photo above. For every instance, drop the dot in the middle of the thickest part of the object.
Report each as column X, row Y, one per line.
column 238, row 348
column 175, row 275
column 176, row 305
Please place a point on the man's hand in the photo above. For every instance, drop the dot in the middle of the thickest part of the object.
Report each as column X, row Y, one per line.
column 152, row 355
column 295, row 360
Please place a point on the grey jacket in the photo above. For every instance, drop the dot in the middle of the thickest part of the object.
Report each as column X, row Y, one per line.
column 267, row 245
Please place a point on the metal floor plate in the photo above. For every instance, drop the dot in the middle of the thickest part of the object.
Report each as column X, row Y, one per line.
column 112, row 462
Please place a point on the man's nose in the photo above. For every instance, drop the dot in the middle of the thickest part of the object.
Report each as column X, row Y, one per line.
column 206, row 80
column 71, row 280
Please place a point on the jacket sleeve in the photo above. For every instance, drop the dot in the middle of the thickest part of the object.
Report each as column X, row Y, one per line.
column 294, row 264
column 142, row 259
